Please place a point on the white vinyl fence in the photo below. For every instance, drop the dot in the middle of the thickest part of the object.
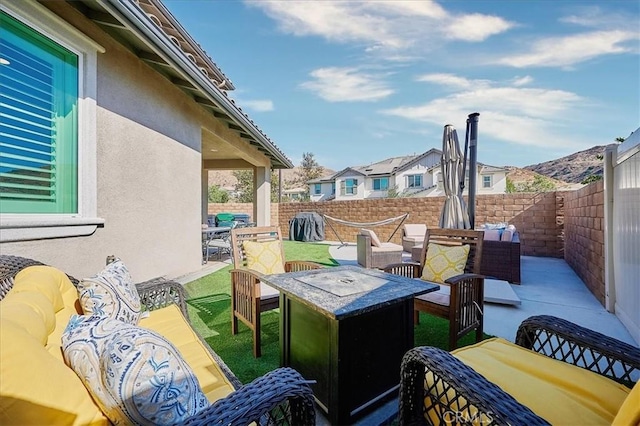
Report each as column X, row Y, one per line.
column 622, row 232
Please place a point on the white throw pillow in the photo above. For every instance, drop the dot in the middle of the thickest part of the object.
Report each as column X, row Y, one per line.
column 135, row 375
column 111, row 293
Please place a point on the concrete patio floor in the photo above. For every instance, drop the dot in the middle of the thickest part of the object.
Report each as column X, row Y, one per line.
column 549, row 287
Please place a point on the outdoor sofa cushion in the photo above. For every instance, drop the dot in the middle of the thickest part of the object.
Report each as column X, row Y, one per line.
column 37, row 387
column 112, row 293
column 629, row 413
column 577, row 396
column 134, row 374
column 375, row 241
column 414, row 230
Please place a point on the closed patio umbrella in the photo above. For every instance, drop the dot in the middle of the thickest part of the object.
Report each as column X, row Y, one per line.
column 454, row 212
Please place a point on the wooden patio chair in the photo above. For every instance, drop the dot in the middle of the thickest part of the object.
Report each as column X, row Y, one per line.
column 464, row 304
column 257, row 251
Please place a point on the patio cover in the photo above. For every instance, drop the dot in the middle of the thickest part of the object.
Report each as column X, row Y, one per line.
column 454, row 212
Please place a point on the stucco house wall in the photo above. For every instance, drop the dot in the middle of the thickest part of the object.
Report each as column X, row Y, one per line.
column 149, row 170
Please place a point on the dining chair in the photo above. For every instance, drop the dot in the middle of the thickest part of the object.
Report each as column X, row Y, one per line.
column 257, row 251
column 450, row 258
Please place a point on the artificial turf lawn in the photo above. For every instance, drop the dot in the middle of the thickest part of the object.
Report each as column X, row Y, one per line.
column 209, row 305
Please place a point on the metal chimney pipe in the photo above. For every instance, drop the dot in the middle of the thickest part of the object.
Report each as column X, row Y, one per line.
column 472, row 121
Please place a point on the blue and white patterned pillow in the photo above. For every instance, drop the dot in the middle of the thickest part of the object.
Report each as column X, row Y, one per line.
column 111, row 293
column 135, row 375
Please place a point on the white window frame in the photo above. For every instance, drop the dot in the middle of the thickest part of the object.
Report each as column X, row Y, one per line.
column 414, row 177
column 24, row 227
column 373, row 184
column 484, row 182
column 344, row 189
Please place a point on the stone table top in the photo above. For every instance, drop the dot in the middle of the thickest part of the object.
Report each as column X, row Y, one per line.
column 345, row 291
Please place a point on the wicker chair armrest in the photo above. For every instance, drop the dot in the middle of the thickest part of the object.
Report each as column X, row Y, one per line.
column 563, row 340
column 282, row 390
column 463, row 277
column 405, row 269
column 300, row 265
column 158, row 293
column 455, row 393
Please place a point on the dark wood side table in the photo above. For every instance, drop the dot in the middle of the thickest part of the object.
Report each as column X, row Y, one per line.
column 347, row 328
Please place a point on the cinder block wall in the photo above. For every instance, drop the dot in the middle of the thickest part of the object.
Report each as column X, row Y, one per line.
column 584, row 236
column 538, row 217
column 554, row 224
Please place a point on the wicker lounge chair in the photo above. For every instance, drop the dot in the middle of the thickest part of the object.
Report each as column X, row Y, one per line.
column 374, row 254
column 250, row 297
column 279, row 397
column 436, row 383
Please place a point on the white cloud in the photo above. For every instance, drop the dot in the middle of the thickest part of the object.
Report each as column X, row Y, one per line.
column 380, row 25
column 596, row 17
column 522, row 81
column 524, row 116
column 336, row 84
column 476, row 27
column 573, row 49
column 259, row 105
column 452, row 81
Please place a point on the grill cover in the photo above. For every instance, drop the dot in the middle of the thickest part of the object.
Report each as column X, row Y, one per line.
column 306, row 226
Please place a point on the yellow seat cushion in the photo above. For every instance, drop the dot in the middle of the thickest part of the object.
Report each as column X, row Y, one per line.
column 38, row 389
column 264, row 257
column 443, row 262
column 556, row 391
column 629, row 413
column 171, row 324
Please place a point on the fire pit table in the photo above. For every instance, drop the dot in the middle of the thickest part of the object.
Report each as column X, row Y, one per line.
column 347, row 328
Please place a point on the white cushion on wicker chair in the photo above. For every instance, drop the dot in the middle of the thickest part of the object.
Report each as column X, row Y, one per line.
column 375, row 241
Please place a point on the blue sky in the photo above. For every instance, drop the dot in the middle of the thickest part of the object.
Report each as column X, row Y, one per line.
column 355, row 82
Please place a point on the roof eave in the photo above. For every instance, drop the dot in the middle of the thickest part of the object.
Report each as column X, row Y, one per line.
column 130, row 14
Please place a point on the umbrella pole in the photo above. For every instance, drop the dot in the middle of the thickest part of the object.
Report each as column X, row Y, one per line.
column 473, row 167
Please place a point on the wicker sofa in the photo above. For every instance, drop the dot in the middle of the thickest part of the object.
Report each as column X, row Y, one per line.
column 501, row 259
column 556, row 373
column 37, row 387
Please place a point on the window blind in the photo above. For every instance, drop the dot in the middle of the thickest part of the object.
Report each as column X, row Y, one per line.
column 38, row 122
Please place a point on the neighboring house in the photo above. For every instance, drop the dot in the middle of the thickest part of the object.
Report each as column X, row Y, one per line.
column 111, row 116
column 409, row 176
column 294, row 194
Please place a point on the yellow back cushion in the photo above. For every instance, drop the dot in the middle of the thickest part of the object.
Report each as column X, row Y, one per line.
column 558, row 392
column 443, row 262
column 264, row 257
column 32, row 311
column 38, row 389
column 629, row 413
